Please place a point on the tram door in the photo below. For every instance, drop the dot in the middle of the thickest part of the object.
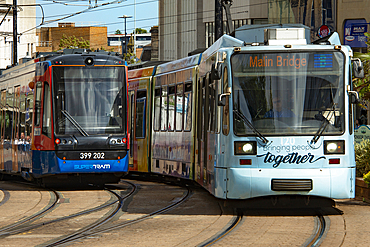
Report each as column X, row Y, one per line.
column 202, row 141
column 131, row 95
column 8, row 123
column 140, row 136
column 138, row 158
column 16, row 135
column 2, row 126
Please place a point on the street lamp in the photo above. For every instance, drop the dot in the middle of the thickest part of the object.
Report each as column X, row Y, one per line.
column 125, row 17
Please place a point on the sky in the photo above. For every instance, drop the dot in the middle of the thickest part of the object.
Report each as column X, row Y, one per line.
column 100, row 13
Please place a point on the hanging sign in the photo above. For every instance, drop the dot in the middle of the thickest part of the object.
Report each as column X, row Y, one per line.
column 323, row 31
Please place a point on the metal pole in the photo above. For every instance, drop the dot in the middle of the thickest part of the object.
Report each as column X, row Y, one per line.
column 15, row 32
column 135, row 29
column 125, row 40
column 218, row 19
column 125, row 17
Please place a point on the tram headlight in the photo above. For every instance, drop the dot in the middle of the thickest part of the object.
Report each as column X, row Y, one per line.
column 334, row 147
column 248, row 148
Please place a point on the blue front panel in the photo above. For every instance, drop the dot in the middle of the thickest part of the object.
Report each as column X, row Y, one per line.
column 88, row 166
column 46, row 162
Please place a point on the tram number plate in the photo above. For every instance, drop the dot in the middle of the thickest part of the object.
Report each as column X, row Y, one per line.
column 92, row 156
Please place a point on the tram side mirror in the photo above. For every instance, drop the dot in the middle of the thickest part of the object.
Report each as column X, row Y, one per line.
column 353, row 97
column 358, row 68
column 216, row 71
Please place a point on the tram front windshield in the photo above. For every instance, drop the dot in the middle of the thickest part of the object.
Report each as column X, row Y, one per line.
column 89, row 100
column 288, row 93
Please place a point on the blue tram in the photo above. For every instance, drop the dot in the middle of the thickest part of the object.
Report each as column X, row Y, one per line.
column 63, row 117
column 253, row 117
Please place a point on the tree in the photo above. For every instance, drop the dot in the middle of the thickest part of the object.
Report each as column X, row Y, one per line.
column 140, row 30
column 118, row 32
column 362, row 86
column 130, row 57
column 71, row 42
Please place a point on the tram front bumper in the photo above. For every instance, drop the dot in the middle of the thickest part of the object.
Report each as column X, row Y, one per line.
column 336, row 183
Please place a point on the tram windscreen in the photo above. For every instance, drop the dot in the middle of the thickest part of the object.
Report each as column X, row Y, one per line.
column 89, row 99
column 288, row 93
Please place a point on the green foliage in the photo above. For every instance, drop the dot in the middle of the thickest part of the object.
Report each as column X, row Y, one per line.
column 362, row 151
column 130, row 56
column 140, row 30
column 362, row 86
column 71, row 42
column 367, row 178
column 118, row 31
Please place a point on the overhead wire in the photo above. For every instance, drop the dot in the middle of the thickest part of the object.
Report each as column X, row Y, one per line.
column 159, row 18
column 138, row 20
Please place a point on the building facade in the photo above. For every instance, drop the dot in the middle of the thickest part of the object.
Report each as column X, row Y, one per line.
column 353, row 14
column 49, row 37
column 352, row 22
column 118, row 43
column 185, row 26
column 26, row 43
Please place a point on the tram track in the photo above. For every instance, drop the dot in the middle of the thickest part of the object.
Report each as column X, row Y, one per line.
column 319, row 232
column 271, row 228
column 26, row 224
column 88, row 232
column 5, row 197
column 235, row 221
column 77, row 234
column 16, row 227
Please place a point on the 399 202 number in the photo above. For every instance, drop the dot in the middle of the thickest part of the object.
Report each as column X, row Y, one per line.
column 94, row 156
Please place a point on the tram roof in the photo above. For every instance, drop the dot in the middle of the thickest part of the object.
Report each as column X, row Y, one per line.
column 179, row 64
column 141, row 72
column 223, row 42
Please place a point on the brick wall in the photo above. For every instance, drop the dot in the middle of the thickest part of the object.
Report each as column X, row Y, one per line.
column 96, row 35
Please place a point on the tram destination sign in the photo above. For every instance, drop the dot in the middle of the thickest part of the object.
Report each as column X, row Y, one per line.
column 280, row 62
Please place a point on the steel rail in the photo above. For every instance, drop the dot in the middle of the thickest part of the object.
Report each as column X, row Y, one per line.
column 320, row 229
column 235, row 221
column 34, row 226
column 79, row 233
column 121, row 225
column 4, row 231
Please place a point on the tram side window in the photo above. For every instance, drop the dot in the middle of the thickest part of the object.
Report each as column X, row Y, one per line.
column 212, row 105
column 179, row 106
column 46, row 118
column 188, row 98
column 29, row 116
column 38, row 103
column 132, row 104
column 157, row 109
column 16, row 131
column 202, row 109
column 22, row 122
column 3, row 111
column 171, row 107
column 226, row 116
column 164, row 109
column 140, row 114
column 9, row 115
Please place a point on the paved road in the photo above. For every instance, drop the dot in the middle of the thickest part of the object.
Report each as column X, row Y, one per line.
column 192, row 223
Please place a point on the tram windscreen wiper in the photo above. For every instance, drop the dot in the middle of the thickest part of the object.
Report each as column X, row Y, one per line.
column 324, row 124
column 250, row 125
column 74, row 123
